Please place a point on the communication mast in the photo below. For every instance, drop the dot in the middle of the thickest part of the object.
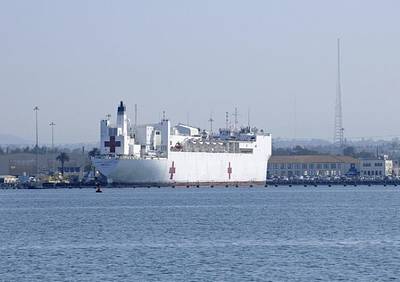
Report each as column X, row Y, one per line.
column 338, row 138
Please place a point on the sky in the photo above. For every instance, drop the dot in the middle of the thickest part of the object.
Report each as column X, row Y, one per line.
column 77, row 59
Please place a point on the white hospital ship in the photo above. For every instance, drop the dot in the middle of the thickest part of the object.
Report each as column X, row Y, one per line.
column 161, row 154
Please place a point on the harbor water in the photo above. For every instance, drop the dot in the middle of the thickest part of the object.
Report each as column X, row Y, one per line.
column 201, row 234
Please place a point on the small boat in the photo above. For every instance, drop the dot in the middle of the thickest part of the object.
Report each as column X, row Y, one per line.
column 98, row 189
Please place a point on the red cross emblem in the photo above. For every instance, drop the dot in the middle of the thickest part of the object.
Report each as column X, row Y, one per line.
column 172, row 170
column 112, row 144
column 229, row 170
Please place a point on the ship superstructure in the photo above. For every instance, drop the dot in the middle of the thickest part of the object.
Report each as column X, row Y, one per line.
column 182, row 154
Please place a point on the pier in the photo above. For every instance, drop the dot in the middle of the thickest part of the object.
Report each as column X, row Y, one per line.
column 270, row 183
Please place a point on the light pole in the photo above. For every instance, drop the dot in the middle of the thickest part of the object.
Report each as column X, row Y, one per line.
column 52, row 124
column 36, row 109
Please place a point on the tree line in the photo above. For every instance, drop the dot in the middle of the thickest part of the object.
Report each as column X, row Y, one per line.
column 41, row 150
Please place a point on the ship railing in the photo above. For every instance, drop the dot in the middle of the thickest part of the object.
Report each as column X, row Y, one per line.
column 130, row 157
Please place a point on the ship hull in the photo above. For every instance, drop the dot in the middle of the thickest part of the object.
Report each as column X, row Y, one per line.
column 186, row 168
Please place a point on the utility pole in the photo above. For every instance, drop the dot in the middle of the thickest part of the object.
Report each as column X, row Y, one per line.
column 36, row 109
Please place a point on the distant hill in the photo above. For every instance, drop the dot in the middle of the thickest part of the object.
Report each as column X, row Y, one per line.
column 17, row 142
column 8, row 139
column 290, row 143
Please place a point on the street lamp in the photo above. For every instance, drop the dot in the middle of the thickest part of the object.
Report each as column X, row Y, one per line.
column 52, row 124
column 36, row 109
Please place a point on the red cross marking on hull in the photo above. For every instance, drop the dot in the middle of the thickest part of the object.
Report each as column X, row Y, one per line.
column 112, row 144
column 229, row 170
column 172, row 170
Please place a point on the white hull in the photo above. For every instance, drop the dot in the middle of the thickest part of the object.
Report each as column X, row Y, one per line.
column 187, row 167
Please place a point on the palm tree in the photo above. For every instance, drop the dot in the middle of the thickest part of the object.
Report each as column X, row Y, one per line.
column 62, row 158
column 94, row 152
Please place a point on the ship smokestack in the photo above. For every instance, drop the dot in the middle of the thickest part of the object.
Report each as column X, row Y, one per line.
column 122, row 122
column 121, row 108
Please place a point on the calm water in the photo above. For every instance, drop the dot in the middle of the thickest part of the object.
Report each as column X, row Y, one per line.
column 220, row 234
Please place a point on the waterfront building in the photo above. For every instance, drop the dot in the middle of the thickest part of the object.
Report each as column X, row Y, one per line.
column 25, row 164
column 8, row 179
column 312, row 165
column 396, row 168
column 376, row 168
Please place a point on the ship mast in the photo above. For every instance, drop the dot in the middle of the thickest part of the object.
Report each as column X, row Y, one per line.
column 227, row 120
column 236, row 119
column 135, row 116
column 211, row 120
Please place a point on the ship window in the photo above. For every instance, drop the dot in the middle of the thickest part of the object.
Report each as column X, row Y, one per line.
column 157, row 132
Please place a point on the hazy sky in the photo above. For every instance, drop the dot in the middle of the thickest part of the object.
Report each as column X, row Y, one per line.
column 77, row 59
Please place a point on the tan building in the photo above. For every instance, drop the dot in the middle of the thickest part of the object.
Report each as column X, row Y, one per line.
column 312, row 165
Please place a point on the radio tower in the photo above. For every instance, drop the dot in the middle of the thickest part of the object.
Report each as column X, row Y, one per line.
column 338, row 138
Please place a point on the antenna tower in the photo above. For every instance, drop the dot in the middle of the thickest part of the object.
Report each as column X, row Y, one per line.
column 338, row 138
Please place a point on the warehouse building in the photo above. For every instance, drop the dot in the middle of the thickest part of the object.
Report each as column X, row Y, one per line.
column 312, row 165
